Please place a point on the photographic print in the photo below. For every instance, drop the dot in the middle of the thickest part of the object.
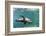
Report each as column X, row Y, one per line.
column 25, row 17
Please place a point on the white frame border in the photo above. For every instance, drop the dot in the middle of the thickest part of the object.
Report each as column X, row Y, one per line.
column 26, row 28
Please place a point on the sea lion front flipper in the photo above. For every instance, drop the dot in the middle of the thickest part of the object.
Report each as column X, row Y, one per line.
column 25, row 22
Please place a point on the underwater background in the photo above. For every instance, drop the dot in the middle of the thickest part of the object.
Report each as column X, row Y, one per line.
column 32, row 13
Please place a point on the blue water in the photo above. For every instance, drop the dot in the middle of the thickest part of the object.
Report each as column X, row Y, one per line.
column 33, row 14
